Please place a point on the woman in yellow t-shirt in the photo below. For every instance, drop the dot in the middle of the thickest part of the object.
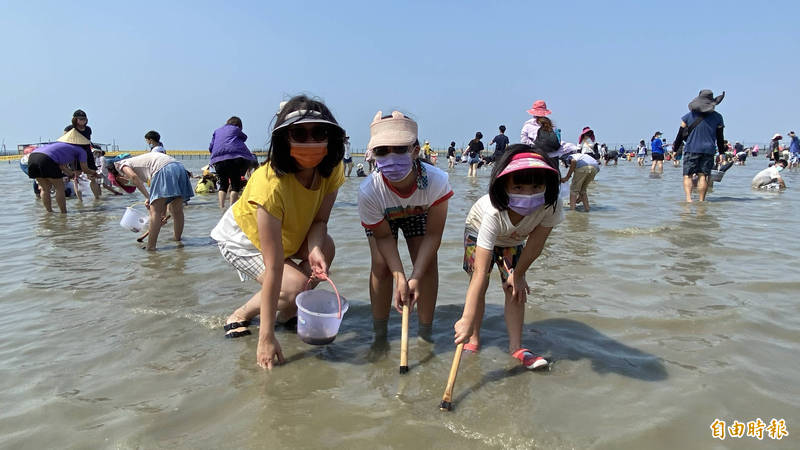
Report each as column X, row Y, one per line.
column 277, row 231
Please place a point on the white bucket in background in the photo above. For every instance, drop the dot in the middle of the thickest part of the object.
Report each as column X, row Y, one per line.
column 563, row 191
column 84, row 186
column 134, row 220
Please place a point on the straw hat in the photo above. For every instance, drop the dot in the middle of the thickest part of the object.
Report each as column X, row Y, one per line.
column 73, row 137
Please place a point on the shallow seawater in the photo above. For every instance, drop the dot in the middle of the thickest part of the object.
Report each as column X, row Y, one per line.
column 660, row 318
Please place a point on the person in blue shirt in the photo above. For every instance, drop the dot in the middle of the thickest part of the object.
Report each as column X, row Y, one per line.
column 702, row 131
column 657, row 153
column 794, row 149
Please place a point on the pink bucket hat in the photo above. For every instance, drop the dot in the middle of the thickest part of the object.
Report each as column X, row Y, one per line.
column 525, row 161
column 539, row 109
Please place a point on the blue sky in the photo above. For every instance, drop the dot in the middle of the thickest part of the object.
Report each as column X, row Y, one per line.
column 626, row 69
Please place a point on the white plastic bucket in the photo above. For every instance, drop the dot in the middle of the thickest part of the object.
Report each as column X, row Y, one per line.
column 563, row 191
column 319, row 314
column 84, row 185
column 134, row 220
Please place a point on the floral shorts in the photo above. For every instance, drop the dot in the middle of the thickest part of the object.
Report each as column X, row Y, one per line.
column 505, row 257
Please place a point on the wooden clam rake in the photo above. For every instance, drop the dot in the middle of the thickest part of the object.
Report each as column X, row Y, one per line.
column 447, row 398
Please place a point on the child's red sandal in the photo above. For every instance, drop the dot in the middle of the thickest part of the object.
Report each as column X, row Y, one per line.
column 529, row 360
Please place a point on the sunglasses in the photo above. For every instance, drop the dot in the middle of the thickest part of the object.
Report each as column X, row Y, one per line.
column 385, row 150
column 318, row 133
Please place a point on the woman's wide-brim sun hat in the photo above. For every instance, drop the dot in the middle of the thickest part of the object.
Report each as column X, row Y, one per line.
column 73, row 137
column 539, row 109
column 393, row 130
column 526, row 161
column 777, row 136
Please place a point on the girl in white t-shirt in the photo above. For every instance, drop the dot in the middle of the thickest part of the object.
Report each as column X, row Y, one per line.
column 409, row 195
column 509, row 227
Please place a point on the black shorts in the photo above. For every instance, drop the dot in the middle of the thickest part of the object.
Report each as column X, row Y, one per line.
column 613, row 154
column 741, row 156
column 657, row 156
column 230, row 173
column 412, row 226
column 698, row 163
column 42, row 166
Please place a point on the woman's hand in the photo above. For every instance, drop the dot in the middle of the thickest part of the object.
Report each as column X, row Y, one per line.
column 269, row 352
column 463, row 329
column 518, row 286
column 318, row 264
column 147, row 203
column 401, row 292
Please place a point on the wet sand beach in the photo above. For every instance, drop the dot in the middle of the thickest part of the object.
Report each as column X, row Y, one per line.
column 660, row 317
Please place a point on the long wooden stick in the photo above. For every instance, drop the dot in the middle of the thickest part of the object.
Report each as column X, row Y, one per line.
column 404, row 342
column 447, row 398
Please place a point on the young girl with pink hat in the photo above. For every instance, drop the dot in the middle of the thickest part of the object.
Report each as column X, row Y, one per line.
column 509, row 226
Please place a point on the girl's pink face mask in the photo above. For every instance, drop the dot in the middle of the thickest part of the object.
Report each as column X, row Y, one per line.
column 115, row 182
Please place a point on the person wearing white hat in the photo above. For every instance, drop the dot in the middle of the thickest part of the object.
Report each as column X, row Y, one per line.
column 775, row 147
column 405, row 194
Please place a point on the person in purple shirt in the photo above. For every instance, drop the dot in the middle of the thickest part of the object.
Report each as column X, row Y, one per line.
column 49, row 163
column 231, row 158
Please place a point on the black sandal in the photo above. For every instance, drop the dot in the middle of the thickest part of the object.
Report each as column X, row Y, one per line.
column 234, row 325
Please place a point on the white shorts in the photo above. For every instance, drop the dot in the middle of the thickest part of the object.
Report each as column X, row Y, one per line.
column 248, row 266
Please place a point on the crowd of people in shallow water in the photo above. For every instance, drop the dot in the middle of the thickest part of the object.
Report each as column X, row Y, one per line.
column 286, row 249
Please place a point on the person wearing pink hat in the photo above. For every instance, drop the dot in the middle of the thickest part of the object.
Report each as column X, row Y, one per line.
column 586, row 140
column 509, row 226
column 530, row 129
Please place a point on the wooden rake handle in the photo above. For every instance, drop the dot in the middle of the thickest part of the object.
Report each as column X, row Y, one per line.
column 404, row 341
column 447, row 398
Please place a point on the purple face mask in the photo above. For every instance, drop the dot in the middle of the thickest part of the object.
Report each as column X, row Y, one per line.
column 525, row 204
column 393, row 166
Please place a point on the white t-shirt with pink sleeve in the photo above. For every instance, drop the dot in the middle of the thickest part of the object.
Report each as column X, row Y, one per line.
column 493, row 227
column 379, row 201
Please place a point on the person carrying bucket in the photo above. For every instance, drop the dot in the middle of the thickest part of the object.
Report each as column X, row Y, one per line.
column 267, row 235
column 169, row 189
column 405, row 194
column 702, row 130
column 509, row 227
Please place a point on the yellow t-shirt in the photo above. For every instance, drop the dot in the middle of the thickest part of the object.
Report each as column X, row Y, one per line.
column 286, row 199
